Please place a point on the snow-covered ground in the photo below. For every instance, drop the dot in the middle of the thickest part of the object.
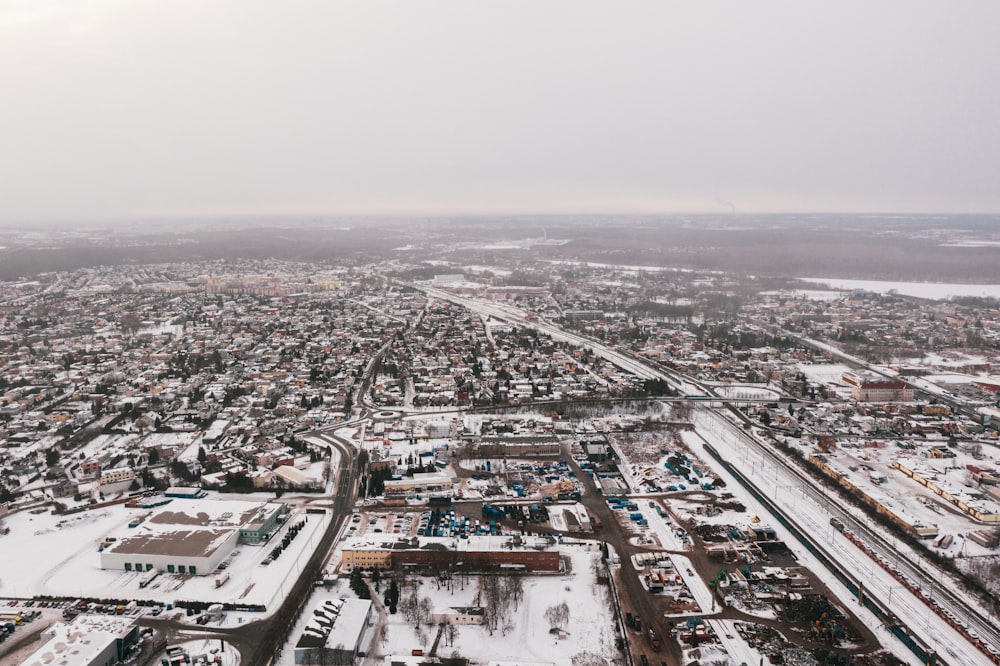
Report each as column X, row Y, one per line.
column 57, row 556
column 209, row 648
column 829, row 375
column 867, row 463
column 699, row 590
column 738, row 650
column 929, row 290
column 812, row 518
column 744, row 392
column 590, row 627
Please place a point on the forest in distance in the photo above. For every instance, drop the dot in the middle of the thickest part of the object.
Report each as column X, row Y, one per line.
column 945, row 248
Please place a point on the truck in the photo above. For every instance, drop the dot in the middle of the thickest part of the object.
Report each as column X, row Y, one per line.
column 490, row 511
column 148, row 577
column 221, row 578
column 654, row 640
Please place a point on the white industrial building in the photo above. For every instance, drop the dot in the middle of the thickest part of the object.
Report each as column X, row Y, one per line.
column 89, row 640
column 192, row 536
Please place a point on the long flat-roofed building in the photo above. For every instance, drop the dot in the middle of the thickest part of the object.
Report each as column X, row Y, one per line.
column 477, row 553
column 193, row 536
column 420, row 482
column 867, row 387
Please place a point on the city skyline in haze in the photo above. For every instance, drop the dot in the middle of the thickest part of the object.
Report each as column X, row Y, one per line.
column 116, row 109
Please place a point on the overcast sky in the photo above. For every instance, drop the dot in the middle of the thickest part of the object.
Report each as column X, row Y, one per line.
column 117, row 108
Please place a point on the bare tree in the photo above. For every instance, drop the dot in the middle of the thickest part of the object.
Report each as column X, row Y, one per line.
column 424, row 608
column 451, row 633
column 558, row 615
column 597, row 567
column 514, row 586
column 826, row 443
column 587, row 659
column 408, row 606
column 681, row 411
column 494, row 600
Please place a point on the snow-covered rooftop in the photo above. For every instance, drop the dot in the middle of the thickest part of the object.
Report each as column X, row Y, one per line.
column 335, row 622
column 476, row 543
column 80, row 642
column 193, row 527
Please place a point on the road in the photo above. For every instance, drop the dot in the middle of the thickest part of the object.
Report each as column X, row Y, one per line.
column 259, row 641
column 932, row 627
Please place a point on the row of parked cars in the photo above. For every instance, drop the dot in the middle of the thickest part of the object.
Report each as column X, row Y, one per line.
column 41, row 603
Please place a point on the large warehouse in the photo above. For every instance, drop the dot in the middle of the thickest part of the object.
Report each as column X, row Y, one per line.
column 193, row 536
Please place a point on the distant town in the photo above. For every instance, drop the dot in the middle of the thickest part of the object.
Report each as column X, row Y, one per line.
column 490, row 451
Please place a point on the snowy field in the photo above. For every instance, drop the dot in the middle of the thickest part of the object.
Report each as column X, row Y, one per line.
column 808, row 294
column 929, row 290
column 825, row 373
column 747, row 392
column 57, row 556
column 590, row 627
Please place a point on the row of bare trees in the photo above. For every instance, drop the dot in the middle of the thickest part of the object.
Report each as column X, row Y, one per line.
column 500, row 597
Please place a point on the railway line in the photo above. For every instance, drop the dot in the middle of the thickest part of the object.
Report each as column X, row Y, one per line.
column 957, row 644
column 915, row 611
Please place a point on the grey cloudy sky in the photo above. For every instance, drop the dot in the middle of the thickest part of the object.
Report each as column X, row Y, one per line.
column 116, row 108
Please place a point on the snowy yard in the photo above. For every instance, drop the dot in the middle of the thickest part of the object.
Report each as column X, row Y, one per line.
column 589, row 627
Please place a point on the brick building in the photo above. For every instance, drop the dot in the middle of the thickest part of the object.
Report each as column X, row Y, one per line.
column 477, row 553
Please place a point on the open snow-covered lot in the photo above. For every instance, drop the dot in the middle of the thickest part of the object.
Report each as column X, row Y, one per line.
column 589, row 627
